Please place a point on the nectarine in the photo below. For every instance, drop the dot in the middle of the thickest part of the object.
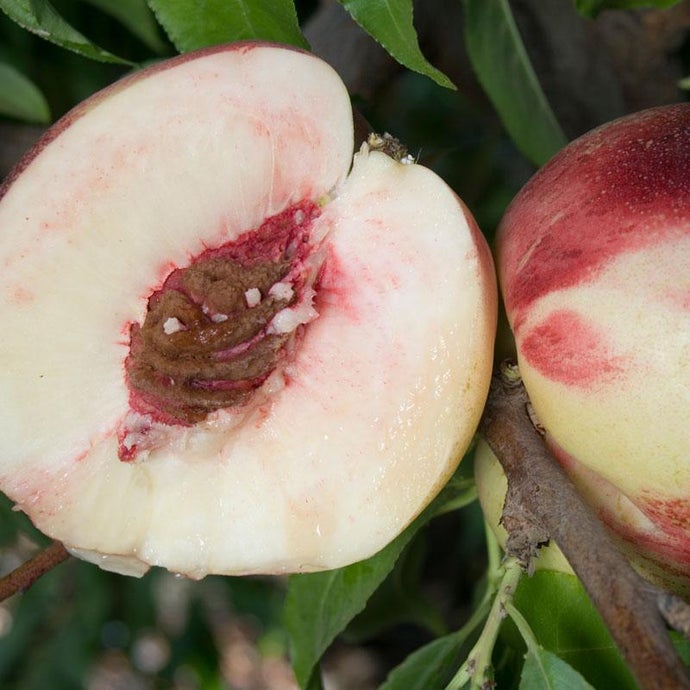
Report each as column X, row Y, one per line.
column 594, row 264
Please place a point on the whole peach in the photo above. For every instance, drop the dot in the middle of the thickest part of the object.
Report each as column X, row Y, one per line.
column 594, row 264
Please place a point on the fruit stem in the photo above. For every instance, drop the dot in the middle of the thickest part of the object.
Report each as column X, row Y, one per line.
column 477, row 668
column 21, row 578
column 539, row 496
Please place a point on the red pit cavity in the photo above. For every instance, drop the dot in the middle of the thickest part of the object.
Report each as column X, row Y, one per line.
column 207, row 341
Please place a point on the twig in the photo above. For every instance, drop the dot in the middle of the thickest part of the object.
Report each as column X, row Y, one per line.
column 477, row 667
column 542, row 503
column 25, row 575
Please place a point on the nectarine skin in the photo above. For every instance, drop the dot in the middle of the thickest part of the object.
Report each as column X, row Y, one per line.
column 594, row 265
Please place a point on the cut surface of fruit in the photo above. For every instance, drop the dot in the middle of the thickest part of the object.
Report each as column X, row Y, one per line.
column 225, row 349
column 593, row 258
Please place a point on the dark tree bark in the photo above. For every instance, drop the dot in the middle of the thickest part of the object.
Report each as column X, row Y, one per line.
column 542, row 504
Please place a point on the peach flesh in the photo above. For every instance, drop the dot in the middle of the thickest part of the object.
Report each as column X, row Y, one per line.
column 593, row 259
column 360, row 424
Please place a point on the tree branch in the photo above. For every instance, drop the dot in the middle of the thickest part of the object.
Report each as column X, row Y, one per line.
column 542, row 503
column 21, row 578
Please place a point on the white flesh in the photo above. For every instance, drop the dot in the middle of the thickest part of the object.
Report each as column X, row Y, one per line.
column 367, row 421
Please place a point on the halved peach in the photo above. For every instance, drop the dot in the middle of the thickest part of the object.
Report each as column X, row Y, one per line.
column 225, row 350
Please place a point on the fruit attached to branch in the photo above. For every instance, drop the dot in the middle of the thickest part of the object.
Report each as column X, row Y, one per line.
column 594, row 265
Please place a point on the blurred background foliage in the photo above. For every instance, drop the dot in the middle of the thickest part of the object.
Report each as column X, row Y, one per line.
column 79, row 627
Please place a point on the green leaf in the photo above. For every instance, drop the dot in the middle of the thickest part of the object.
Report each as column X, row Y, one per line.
column 399, row 600
column 431, row 667
column 591, row 8
column 42, row 19
column 502, row 65
column 565, row 622
column 136, row 16
column 682, row 645
column 191, row 24
column 320, row 605
column 434, row 666
column 390, row 23
column 20, row 98
column 543, row 670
